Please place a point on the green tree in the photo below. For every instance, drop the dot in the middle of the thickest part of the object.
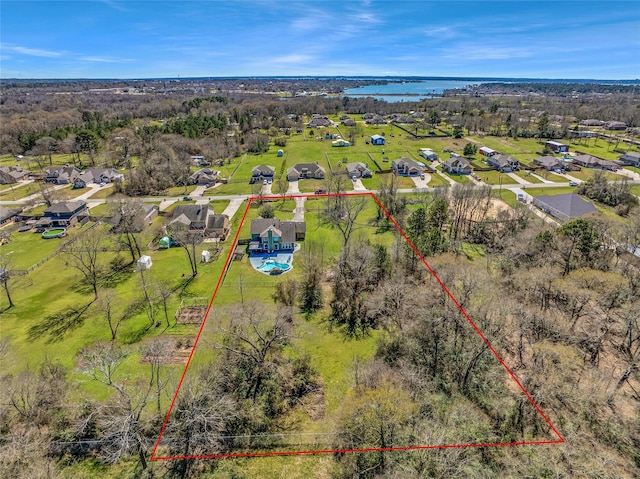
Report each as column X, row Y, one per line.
column 470, row 150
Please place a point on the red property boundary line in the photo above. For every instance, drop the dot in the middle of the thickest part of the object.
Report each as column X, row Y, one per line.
column 153, row 457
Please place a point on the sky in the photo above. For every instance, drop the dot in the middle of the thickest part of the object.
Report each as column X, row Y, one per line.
column 451, row 38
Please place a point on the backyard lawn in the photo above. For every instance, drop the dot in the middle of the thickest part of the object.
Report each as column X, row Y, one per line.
column 496, row 178
column 552, row 190
column 16, row 192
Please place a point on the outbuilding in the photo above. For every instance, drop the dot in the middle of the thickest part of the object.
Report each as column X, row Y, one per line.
column 144, row 263
column 377, row 140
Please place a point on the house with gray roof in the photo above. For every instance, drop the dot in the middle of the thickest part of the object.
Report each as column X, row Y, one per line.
column 202, row 218
column 503, row 163
column 303, row 171
column 60, row 175
column 7, row 214
column 457, row 165
column 406, row 167
column 590, row 161
column 63, row 214
column 564, row 207
column 13, row 174
column 271, row 234
column 96, row 175
column 358, row 169
column 205, row 176
column 261, row 173
column 631, row 158
column 549, row 162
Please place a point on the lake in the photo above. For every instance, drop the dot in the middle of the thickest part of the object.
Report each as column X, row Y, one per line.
column 408, row 91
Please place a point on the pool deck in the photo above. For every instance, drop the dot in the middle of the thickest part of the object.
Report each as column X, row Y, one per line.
column 284, row 258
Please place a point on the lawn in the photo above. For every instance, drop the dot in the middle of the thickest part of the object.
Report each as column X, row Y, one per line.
column 552, row 190
column 180, row 190
column 525, row 175
column 231, row 188
column 591, row 146
column 508, row 196
column 547, row 175
column 16, row 192
column 635, row 189
column 496, row 178
column 587, row 173
column 104, row 193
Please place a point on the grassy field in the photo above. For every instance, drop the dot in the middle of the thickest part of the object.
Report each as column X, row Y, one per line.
column 508, row 196
column 525, row 175
column 587, row 173
column 17, row 192
column 552, row 190
column 635, row 189
column 547, row 175
column 496, row 178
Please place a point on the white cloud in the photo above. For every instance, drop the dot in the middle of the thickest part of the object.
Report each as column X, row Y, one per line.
column 34, row 52
column 106, row 59
column 293, row 58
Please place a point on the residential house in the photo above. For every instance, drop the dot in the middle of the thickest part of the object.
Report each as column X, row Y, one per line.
column 96, row 175
column 615, row 125
column 549, row 162
column 592, row 122
column 205, row 176
column 556, row 146
column 60, row 175
column 590, row 161
column 261, row 173
column 358, row 169
column 305, row 170
column 7, row 214
column 503, row 163
column 376, row 120
column 368, row 116
column 202, row 218
column 271, row 234
column 457, row 166
column 319, row 121
column 198, row 160
column 377, row 140
column 631, row 158
column 13, row 174
column 486, row 151
column 348, row 122
column 406, row 167
column 564, row 207
column 63, row 214
column 428, row 154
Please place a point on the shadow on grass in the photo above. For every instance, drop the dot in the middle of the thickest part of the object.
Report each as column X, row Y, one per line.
column 58, row 324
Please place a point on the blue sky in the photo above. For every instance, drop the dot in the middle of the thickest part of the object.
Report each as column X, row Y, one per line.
column 146, row 39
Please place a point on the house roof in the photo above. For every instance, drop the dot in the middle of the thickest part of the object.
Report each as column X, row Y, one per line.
column 635, row 155
column 65, row 207
column 216, row 222
column 287, row 229
column 263, row 170
column 547, row 161
column 16, row 172
column 457, row 162
column 407, row 163
column 306, row 167
column 193, row 213
column 502, row 160
column 555, row 143
column 6, row 213
column 377, row 137
column 571, row 205
column 590, row 160
column 356, row 166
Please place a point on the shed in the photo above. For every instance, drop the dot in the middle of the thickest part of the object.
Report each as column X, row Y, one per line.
column 144, row 263
column 205, row 257
column 165, row 243
column 280, row 153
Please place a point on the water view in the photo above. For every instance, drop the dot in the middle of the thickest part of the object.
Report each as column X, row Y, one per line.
column 407, row 91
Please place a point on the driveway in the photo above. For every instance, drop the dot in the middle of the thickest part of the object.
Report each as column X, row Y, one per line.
column 299, row 211
column 293, row 188
column 266, row 189
column 420, row 183
column 233, row 207
column 358, row 186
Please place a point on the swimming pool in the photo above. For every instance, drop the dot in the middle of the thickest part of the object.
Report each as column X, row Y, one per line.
column 270, row 265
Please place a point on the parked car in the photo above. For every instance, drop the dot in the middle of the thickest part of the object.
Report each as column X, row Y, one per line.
column 573, row 183
column 319, row 192
column 264, row 182
column 422, row 176
column 187, row 198
column 269, row 181
column 354, row 178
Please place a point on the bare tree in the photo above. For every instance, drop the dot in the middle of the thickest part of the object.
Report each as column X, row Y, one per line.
column 188, row 240
column 84, row 256
column 5, row 277
column 128, row 215
column 342, row 212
